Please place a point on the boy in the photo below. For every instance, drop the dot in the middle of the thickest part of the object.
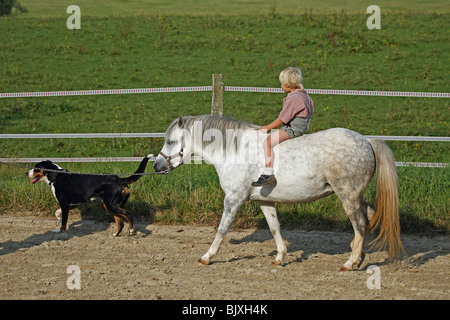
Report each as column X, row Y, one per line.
column 294, row 118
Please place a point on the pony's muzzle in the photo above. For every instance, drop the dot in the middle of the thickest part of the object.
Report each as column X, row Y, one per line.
column 160, row 167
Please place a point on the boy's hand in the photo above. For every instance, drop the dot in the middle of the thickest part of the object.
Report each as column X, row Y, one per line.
column 264, row 129
column 276, row 123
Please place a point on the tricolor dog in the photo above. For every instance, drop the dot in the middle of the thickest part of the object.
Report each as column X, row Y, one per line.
column 71, row 190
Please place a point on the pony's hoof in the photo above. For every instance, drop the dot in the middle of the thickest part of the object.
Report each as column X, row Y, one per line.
column 203, row 262
column 344, row 268
column 278, row 263
column 132, row 232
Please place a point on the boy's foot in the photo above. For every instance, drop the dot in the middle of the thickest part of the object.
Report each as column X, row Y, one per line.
column 264, row 180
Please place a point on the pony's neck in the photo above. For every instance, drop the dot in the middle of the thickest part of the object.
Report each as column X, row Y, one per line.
column 227, row 147
column 209, row 146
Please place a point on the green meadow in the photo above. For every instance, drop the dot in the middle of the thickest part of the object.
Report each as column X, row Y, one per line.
column 146, row 44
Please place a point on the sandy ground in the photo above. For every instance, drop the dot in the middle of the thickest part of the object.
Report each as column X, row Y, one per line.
column 160, row 263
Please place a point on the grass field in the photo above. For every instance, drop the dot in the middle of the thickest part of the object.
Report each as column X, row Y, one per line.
column 132, row 44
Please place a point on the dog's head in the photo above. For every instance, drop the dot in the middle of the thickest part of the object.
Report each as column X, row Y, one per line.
column 41, row 171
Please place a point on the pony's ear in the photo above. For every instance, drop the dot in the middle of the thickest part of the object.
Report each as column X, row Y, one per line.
column 181, row 122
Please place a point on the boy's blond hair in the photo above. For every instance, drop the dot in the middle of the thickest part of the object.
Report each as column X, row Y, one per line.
column 292, row 77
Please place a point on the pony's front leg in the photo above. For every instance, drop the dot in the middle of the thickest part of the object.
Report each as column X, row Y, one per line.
column 231, row 207
column 270, row 213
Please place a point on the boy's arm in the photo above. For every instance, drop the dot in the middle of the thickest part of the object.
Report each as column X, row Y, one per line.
column 274, row 124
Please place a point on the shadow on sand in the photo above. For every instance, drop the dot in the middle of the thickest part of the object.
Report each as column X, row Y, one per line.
column 93, row 220
column 305, row 244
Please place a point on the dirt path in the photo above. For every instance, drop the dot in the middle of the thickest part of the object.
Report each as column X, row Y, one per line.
column 160, row 263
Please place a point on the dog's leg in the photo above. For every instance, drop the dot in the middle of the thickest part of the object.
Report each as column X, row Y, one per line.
column 64, row 218
column 119, row 224
column 127, row 216
column 118, row 214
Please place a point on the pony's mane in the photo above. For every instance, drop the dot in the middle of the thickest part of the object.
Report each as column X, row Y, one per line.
column 211, row 124
column 214, row 122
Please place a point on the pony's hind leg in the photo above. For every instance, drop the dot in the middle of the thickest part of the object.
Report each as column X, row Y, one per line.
column 270, row 213
column 357, row 214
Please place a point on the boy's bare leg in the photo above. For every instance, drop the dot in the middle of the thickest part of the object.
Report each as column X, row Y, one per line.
column 267, row 177
column 272, row 140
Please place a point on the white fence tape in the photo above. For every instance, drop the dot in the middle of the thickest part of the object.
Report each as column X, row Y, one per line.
column 79, row 135
column 94, row 159
column 226, row 88
column 195, row 158
column 421, row 164
column 101, row 92
column 348, row 92
column 410, row 138
column 161, row 135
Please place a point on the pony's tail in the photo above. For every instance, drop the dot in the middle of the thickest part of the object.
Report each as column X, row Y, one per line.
column 387, row 203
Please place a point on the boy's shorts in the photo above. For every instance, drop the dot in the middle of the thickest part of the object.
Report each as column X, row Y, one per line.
column 296, row 127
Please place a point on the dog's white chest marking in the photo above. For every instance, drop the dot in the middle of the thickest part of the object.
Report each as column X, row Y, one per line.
column 51, row 187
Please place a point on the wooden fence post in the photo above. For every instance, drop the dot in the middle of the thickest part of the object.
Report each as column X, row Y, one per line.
column 217, row 94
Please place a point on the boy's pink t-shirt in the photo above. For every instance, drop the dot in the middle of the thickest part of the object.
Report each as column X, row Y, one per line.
column 294, row 106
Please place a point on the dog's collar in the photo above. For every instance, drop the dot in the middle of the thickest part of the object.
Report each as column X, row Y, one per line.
column 51, row 180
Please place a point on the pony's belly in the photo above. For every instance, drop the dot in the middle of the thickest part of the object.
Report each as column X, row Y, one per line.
column 292, row 195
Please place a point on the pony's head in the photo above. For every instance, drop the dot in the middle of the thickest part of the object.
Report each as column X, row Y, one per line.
column 174, row 149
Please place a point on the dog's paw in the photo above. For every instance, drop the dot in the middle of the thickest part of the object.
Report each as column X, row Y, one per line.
column 57, row 231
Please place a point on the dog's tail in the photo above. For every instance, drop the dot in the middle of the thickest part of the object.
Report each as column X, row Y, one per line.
column 138, row 173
